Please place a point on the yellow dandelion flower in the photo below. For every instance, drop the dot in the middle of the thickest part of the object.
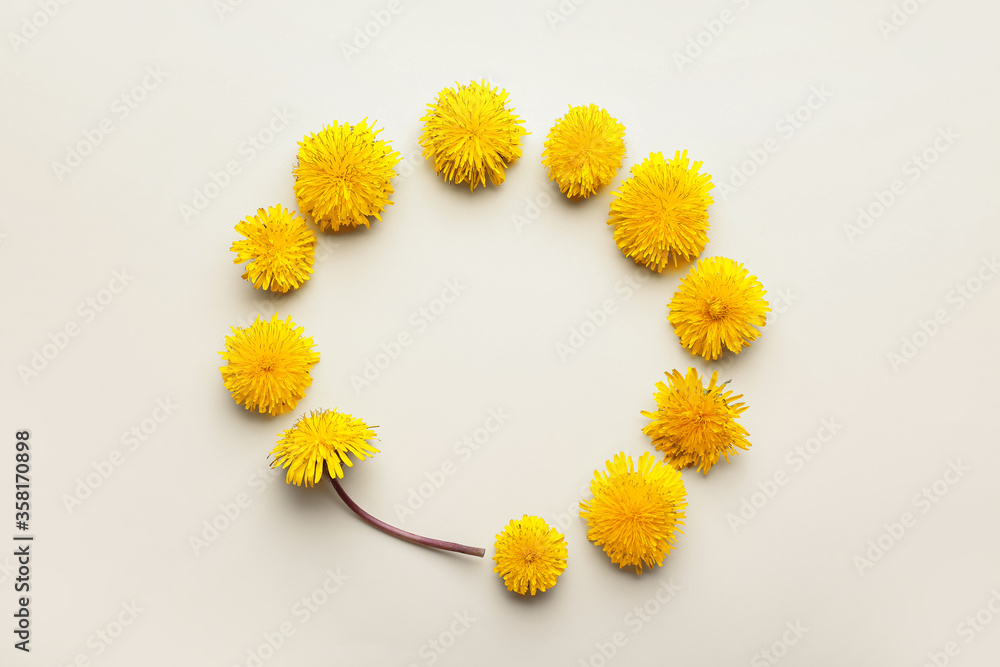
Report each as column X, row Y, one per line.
column 280, row 249
column 343, row 175
column 269, row 365
column 530, row 556
column 584, row 150
column 718, row 305
column 323, row 442
column 661, row 212
column 636, row 510
column 471, row 134
column 695, row 425
column 322, row 436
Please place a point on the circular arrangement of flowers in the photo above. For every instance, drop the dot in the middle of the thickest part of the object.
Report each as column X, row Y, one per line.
column 471, row 135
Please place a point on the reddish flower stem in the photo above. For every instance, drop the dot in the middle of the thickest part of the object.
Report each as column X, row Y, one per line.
column 400, row 533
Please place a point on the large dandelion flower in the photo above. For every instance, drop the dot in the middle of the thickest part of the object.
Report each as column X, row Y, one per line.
column 343, row 174
column 280, row 249
column 695, row 425
column 322, row 437
column 322, row 442
column 635, row 511
column 530, row 556
column 584, row 150
column 661, row 211
column 269, row 364
column 718, row 305
column 471, row 134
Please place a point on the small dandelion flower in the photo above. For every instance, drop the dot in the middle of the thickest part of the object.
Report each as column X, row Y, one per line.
column 584, row 150
column 695, row 425
column 269, row 364
column 718, row 305
column 530, row 556
column 280, row 249
column 636, row 510
column 322, row 442
column 343, row 175
column 471, row 134
column 661, row 212
column 321, row 437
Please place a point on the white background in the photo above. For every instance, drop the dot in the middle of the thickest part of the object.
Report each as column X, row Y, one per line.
column 848, row 302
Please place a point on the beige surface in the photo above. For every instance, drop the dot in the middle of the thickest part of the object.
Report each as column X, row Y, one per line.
column 189, row 102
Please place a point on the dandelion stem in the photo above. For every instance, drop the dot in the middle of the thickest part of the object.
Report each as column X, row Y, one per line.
column 398, row 532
